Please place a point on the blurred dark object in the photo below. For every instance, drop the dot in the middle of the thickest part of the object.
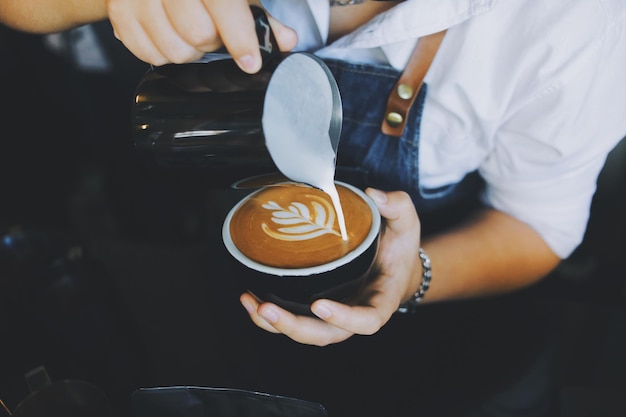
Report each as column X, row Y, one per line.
column 67, row 398
column 67, row 313
column 67, row 159
column 219, row 402
column 39, row 134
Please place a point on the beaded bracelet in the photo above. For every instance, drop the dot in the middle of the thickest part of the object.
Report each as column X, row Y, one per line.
column 411, row 305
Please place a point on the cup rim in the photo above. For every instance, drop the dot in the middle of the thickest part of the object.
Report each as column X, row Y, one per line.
column 311, row 270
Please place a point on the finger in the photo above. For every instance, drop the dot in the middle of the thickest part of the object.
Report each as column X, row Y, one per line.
column 306, row 330
column 133, row 36
column 397, row 208
column 398, row 253
column 157, row 25
column 251, row 304
column 235, row 25
column 363, row 320
column 302, row 329
column 286, row 37
column 193, row 24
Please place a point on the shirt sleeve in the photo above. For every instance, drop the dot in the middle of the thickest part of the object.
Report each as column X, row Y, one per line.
column 548, row 153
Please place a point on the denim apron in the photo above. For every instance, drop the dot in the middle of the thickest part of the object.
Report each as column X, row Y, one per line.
column 369, row 158
column 445, row 357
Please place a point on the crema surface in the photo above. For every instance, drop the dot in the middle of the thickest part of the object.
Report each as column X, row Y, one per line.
column 295, row 226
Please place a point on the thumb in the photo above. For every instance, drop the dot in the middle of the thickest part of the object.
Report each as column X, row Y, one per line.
column 397, row 209
column 285, row 36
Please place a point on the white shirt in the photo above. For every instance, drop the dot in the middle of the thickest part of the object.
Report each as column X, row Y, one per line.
column 532, row 93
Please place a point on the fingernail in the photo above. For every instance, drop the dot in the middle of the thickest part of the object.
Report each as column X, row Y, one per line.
column 378, row 196
column 269, row 315
column 321, row 311
column 249, row 63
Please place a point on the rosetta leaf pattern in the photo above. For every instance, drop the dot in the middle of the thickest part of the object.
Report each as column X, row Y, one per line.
column 298, row 222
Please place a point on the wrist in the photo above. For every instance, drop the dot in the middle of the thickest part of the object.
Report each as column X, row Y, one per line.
column 411, row 304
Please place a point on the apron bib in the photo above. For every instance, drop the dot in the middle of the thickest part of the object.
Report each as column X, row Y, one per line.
column 369, row 158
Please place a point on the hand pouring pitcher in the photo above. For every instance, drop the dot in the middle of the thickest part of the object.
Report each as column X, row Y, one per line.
column 212, row 122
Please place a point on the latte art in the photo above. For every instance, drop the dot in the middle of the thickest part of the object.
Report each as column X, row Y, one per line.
column 297, row 222
column 295, row 226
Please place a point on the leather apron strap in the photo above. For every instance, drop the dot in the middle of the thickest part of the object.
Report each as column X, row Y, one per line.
column 404, row 92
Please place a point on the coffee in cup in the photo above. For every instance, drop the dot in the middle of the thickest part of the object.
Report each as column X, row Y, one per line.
column 287, row 239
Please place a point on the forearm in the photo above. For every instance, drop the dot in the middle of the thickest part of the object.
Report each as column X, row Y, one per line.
column 50, row 15
column 490, row 254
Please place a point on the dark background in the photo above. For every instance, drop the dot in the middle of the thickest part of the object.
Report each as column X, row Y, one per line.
column 92, row 239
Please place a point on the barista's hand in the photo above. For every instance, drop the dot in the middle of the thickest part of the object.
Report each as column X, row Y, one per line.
column 398, row 273
column 178, row 31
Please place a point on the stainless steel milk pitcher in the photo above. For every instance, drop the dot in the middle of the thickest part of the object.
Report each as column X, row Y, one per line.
column 204, row 119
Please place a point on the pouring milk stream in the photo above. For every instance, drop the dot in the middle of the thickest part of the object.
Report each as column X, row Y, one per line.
column 300, row 115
